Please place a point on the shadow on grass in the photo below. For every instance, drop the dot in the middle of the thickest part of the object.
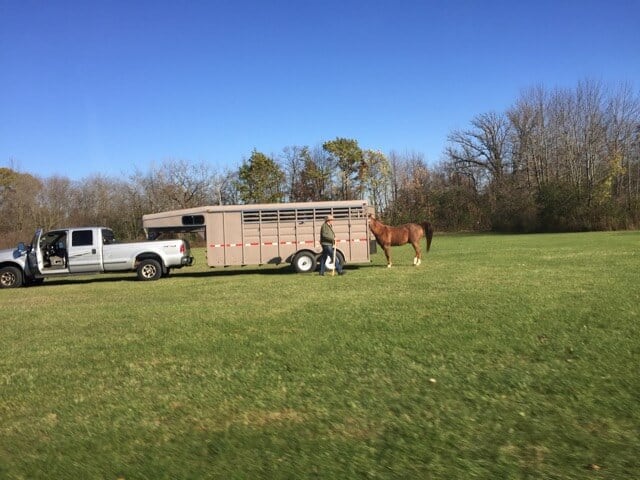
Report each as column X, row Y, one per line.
column 218, row 272
column 266, row 270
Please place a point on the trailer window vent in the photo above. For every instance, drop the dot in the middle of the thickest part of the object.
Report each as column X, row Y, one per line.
column 299, row 215
column 305, row 214
column 338, row 213
column 287, row 215
column 193, row 220
column 275, row 216
column 251, row 216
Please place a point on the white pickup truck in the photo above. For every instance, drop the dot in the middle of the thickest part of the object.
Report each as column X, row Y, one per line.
column 88, row 250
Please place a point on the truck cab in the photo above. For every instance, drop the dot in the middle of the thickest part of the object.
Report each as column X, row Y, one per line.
column 67, row 251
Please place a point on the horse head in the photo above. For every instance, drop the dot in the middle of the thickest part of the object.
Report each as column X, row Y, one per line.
column 374, row 224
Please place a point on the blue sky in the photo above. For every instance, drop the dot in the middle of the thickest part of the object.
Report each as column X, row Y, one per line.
column 108, row 87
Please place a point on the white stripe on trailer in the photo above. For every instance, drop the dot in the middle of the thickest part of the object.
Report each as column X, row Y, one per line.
column 272, row 244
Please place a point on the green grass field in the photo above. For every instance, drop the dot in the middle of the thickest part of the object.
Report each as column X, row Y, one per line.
column 499, row 357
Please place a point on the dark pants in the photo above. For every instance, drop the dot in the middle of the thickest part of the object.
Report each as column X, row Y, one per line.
column 327, row 252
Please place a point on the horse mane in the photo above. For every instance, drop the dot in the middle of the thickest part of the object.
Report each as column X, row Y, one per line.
column 376, row 226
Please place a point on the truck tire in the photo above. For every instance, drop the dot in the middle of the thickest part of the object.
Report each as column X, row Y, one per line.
column 304, row 262
column 149, row 269
column 10, row 277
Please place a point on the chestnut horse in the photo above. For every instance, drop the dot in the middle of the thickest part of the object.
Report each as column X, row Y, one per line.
column 388, row 236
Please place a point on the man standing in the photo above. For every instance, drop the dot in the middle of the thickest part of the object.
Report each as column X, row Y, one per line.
column 328, row 242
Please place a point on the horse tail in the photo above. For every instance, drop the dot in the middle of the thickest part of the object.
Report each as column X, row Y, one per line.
column 428, row 230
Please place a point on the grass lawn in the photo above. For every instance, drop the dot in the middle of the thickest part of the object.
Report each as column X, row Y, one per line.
column 499, row 357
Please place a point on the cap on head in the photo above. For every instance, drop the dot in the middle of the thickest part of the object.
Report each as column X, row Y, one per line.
column 328, row 218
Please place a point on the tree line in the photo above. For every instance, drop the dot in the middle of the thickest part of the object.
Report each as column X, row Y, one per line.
column 556, row 160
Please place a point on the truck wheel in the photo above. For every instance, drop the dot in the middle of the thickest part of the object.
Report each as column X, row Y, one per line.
column 10, row 277
column 304, row 262
column 149, row 269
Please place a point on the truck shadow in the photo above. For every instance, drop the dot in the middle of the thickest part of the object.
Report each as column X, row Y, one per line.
column 213, row 273
column 111, row 278
column 70, row 280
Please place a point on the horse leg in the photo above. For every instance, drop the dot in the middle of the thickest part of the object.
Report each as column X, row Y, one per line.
column 387, row 252
column 417, row 260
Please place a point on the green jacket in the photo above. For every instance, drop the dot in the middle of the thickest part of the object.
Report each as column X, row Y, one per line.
column 327, row 237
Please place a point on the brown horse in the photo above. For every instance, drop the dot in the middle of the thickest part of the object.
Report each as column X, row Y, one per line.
column 388, row 236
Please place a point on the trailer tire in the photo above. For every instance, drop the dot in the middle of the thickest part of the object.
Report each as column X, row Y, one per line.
column 339, row 257
column 10, row 277
column 149, row 269
column 304, row 262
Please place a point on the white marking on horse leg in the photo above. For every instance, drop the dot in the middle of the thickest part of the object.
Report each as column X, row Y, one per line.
column 418, row 262
column 388, row 265
column 415, row 260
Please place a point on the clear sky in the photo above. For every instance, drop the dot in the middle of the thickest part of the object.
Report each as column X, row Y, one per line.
column 107, row 87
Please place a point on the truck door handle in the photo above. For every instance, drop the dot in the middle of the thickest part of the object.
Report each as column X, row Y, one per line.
column 93, row 250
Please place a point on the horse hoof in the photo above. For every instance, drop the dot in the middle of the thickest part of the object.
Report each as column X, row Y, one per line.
column 389, row 265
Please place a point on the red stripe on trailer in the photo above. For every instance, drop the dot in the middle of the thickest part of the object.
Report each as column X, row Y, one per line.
column 271, row 244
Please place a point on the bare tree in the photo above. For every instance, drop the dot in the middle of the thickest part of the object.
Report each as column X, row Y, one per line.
column 483, row 150
column 315, row 178
column 411, row 184
column 54, row 202
column 294, row 160
column 177, row 184
column 377, row 178
column 17, row 206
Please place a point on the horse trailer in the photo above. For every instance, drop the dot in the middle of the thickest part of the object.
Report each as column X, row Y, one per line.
column 274, row 233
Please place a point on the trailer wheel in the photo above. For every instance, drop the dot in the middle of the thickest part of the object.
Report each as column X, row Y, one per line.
column 304, row 262
column 329, row 262
column 10, row 277
column 149, row 269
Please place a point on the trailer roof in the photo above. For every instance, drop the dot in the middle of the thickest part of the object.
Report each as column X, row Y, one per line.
column 257, row 206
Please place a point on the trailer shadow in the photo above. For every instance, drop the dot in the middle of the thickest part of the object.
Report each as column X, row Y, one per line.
column 213, row 273
column 267, row 271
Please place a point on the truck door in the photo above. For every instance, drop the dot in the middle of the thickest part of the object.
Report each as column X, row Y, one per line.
column 35, row 259
column 48, row 255
column 85, row 253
